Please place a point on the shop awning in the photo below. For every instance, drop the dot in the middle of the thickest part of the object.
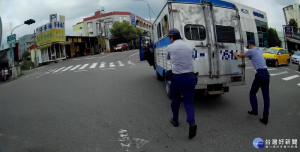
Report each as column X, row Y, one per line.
column 293, row 40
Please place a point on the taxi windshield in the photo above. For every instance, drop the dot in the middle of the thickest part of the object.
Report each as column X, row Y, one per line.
column 271, row 51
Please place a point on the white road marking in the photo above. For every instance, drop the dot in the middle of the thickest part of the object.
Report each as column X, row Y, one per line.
column 93, row 66
column 80, row 71
column 290, row 78
column 285, row 72
column 76, row 59
column 120, row 63
column 272, row 69
column 102, row 65
column 77, row 66
column 67, row 68
column 129, row 62
column 249, row 68
column 109, row 69
column 134, row 54
column 84, row 66
column 58, row 70
column 112, row 65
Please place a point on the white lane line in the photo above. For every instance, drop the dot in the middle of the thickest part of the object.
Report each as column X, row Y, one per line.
column 112, row 65
column 129, row 62
column 80, row 71
column 290, row 78
column 102, row 65
column 67, row 68
column 93, row 66
column 272, row 69
column 77, row 66
column 274, row 74
column 84, row 66
column 249, row 68
column 58, row 70
column 134, row 54
column 120, row 63
column 109, row 69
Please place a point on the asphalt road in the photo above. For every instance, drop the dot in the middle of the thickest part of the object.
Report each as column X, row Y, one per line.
column 113, row 103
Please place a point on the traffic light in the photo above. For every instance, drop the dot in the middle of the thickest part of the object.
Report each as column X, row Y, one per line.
column 30, row 21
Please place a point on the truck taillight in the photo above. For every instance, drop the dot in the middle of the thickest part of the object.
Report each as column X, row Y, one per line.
column 235, row 79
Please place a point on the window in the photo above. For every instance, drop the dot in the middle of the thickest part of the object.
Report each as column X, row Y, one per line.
column 194, row 32
column 159, row 30
column 225, row 34
column 89, row 24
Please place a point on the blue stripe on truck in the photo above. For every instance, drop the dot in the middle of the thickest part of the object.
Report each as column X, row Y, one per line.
column 160, row 70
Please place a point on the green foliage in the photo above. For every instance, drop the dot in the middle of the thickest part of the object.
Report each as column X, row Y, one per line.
column 273, row 38
column 124, row 32
column 26, row 65
column 293, row 23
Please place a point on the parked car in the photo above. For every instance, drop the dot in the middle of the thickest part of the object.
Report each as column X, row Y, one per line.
column 296, row 57
column 121, row 47
column 277, row 56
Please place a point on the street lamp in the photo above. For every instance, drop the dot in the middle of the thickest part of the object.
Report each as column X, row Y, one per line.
column 28, row 22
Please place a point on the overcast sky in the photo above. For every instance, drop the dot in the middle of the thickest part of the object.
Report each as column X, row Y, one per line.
column 15, row 12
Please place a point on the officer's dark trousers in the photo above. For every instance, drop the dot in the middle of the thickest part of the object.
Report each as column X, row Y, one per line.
column 183, row 85
column 262, row 80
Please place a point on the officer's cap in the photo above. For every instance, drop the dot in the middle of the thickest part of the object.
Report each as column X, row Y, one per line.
column 251, row 42
column 174, row 32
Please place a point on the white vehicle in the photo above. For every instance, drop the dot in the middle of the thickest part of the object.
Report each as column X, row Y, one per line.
column 296, row 57
column 214, row 29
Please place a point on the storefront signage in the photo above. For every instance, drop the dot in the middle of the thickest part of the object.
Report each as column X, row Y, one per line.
column 258, row 15
column 245, row 11
column 133, row 20
column 56, row 35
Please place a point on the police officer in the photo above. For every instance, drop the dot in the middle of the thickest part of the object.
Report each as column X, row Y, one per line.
column 183, row 81
column 261, row 80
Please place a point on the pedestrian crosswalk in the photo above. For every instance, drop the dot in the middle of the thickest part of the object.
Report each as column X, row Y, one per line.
column 89, row 66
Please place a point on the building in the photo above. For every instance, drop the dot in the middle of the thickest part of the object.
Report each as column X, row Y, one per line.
column 24, row 44
column 78, row 29
column 254, row 24
column 292, row 12
column 51, row 40
column 100, row 23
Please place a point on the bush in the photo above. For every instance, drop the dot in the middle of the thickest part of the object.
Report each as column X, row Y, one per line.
column 26, row 65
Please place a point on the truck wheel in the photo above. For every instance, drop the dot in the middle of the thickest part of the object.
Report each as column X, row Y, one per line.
column 276, row 63
column 168, row 89
column 158, row 77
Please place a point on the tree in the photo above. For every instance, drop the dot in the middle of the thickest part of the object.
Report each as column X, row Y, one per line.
column 294, row 24
column 124, row 32
column 273, row 38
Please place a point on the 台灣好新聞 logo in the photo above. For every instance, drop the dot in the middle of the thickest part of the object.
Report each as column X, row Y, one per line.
column 258, row 143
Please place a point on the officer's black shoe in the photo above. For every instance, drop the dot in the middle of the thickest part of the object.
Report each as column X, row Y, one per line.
column 264, row 121
column 252, row 113
column 192, row 131
column 174, row 123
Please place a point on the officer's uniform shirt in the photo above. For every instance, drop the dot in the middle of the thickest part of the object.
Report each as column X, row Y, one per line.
column 257, row 58
column 181, row 54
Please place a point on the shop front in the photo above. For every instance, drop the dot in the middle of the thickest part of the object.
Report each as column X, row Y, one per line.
column 51, row 41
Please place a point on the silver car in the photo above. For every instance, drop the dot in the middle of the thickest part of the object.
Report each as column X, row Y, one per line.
column 296, row 57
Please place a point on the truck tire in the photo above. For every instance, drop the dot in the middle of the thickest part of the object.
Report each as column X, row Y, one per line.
column 158, row 77
column 168, row 89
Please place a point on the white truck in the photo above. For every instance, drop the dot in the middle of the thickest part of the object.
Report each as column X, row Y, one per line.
column 213, row 28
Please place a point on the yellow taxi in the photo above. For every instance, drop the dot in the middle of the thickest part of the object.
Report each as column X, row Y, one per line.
column 277, row 56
